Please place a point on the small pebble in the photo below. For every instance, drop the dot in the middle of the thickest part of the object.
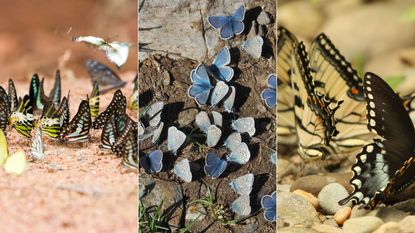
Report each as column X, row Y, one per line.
column 308, row 196
column 342, row 215
column 166, row 78
column 329, row 197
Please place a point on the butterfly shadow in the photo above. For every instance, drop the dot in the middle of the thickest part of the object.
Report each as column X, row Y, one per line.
column 242, row 94
column 259, row 181
column 196, row 167
column 169, row 211
column 172, row 111
column 145, row 98
column 261, row 125
column 251, row 15
column 267, row 49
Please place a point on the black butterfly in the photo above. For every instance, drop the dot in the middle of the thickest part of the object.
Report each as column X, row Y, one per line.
column 128, row 150
column 118, row 100
column 49, row 122
column 12, row 96
column 94, row 100
column 4, row 109
column 55, row 93
column 22, row 119
column 385, row 167
column 104, row 76
column 63, row 112
column 35, row 93
column 78, row 129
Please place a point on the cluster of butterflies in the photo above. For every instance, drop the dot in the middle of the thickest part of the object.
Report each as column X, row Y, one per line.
column 211, row 125
column 326, row 109
column 50, row 116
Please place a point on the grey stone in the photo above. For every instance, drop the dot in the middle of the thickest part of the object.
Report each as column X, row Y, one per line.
column 285, row 168
column 264, row 18
column 295, row 210
column 390, row 227
column 329, row 197
column 324, row 228
column 187, row 116
column 388, row 214
column 407, row 224
column 314, row 183
column 405, row 206
column 366, row 224
column 296, row 229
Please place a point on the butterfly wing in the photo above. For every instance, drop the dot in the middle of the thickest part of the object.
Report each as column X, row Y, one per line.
column 4, row 109
column 78, row 129
column 242, row 205
column 217, row 21
column 240, row 154
column 182, row 170
column 94, row 101
column 214, row 166
column 63, row 112
column 156, row 161
column 244, row 125
column 269, row 95
column 253, row 46
column 22, row 119
column 269, row 204
column 213, row 135
column 55, row 93
column 233, row 141
column 117, row 100
column 230, row 100
column 243, row 184
column 200, row 88
column 4, row 152
column 104, row 76
column 12, row 96
column 219, row 68
column 202, row 121
column 37, row 149
column 175, row 139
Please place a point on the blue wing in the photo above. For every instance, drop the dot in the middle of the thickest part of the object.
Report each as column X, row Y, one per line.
column 222, row 73
column 270, row 97
column 214, row 166
column 201, row 86
column 269, row 204
column 237, row 27
column 218, row 21
column 272, row 81
column 239, row 14
column 226, row 32
column 156, row 160
column 223, row 58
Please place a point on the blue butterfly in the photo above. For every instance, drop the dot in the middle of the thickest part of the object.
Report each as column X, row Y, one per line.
column 229, row 25
column 269, row 204
column 214, row 165
column 219, row 68
column 182, row 170
column 269, row 95
column 153, row 162
column 212, row 130
column 175, row 139
column 245, row 125
column 239, row 155
column 273, row 158
column 253, row 46
column 242, row 186
column 230, row 100
column 200, row 88
column 219, row 92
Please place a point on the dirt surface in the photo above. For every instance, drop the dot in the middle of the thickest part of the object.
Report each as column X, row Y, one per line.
column 249, row 80
column 77, row 188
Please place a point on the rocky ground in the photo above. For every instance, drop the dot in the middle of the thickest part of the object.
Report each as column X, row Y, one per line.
column 378, row 37
column 183, row 41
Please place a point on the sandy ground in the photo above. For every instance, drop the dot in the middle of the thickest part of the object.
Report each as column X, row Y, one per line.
column 77, row 188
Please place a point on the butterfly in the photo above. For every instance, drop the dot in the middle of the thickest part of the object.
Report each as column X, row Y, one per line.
column 240, row 154
column 314, row 113
column 35, row 93
column 219, row 92
column 152, row 116
column 37, row 149
column 49, row 122
column 214, row 165
column 233, row 141
column 269, row 95
column 244, row 125
column 22, row 119
column 182, row 170
column 338, row 81
column 200, row 88
column 153, row 162
column 104, row 76
column 230, row 100
column 14, row 104
column 229, row 26
column 94, row 101
column 243, row 187
column 219, row 68
column 55, row 93
column 63, row 112
column 117, row 100
column 175, row 139
column 212, row 131
column 285, row 108
column 4, row 109
column 78, row 129
column 13, row 164
column 253, row 46
column 385, row 167
column 116, row 52
column 269, row 204
column 128, row 150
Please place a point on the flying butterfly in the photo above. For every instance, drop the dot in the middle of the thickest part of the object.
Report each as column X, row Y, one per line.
column 106, row 78
column 386, row 167
column 117, row 100
column 22, row 119
column 94, row 101
column 78, row 129
column 116, row 52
